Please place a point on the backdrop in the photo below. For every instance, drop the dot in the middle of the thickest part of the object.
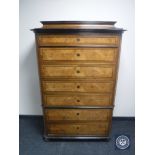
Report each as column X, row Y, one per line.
column 33, row 11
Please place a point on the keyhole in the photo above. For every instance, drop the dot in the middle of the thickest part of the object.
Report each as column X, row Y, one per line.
column 78, row 54
column 78, row 86
column 77, row 71
column 78, row 100
column 77, row 113
column 77, row 127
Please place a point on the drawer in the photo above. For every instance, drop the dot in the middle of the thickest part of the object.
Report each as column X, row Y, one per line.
column 100, row 71
column 85, row 86
column 78, row 54
column 93, row 128
column 78, row 100
column 77, row 114
column 72, row 40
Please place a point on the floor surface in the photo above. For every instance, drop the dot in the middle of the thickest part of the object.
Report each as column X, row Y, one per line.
column 32, row 143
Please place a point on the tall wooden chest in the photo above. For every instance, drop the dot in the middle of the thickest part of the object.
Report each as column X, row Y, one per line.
column 78, row 65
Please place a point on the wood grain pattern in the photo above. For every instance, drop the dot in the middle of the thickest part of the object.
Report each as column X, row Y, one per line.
column 74, row 54
column 76, row 26
column 49, row 71
column 92, row 128
column 73, row 40
column 56, row 86
column 78, row 114
column 78, row 100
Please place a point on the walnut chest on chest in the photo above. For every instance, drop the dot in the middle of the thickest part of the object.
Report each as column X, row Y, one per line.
column 78, row 65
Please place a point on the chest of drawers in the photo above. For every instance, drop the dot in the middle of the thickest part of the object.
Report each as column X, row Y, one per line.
column 78, row 65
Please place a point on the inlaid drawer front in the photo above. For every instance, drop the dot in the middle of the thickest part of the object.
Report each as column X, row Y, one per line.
column 71, row 40
column 75, row 54
column 58, row 86
column 103, row 71
column 78, row 100
column 78, row 114
column 92, row 128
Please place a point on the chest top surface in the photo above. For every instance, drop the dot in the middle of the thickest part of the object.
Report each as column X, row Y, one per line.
column 78, row 27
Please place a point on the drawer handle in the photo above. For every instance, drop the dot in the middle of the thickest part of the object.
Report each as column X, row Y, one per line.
column 77, row 127
column 78, row 39
column 78, row 86
column 77, row 113
column 78, row 100
column 77, row 71
column 78, row 54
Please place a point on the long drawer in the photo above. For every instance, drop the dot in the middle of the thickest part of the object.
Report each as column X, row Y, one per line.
column 92, row 128
column 76, row 54
column 73, row 40
column 78, row 100
column 83, row 86
column 77, row 114
column 75, row 71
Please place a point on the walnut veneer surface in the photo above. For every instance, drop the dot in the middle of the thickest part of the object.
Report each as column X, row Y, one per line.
column 78, row 66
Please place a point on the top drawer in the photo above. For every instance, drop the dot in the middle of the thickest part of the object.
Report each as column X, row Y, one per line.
column 75, row 40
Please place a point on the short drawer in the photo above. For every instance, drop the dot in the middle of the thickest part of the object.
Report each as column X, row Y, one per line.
column 72, row 40
column 78, row 54
column 78, row 100
column 77, row 114
column 90, row 71
column 85, row 86
column 92, row 128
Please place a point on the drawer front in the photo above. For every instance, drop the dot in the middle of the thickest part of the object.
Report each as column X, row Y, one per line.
column 77, row 114
column 78, row 100
column 92, row 128
column 71, row 40
column 58, row 86
column 49, row 71
column 76, row 54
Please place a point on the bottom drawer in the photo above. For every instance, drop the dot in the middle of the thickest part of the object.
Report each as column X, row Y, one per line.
column 83, row 129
